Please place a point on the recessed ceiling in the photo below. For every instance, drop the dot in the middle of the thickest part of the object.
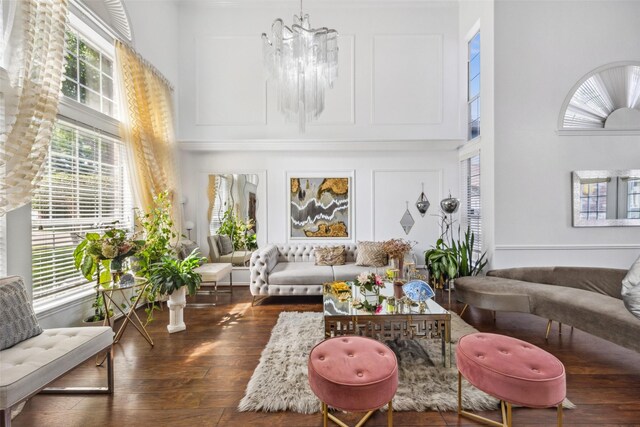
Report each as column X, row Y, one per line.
column 608, row 98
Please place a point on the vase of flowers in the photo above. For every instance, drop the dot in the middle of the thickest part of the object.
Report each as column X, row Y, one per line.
column 396, row 249
column 369, row 285
column 103, row 257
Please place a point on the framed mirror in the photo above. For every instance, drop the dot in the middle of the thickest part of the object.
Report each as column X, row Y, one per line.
column 606, row 198
column 232, row 208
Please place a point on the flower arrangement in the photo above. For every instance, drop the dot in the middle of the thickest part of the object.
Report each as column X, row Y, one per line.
column 370, row 285
column 341, row 290
column 397, row 248
column 107, row 252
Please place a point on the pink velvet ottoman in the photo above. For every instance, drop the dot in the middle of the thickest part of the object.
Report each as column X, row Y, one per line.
column 353, row 374
column 512, row 370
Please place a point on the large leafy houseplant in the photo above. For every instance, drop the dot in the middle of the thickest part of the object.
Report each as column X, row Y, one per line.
column 240, row 232
column 446, row 261
column 170, row 274
column 158, row 228
column 98, row 256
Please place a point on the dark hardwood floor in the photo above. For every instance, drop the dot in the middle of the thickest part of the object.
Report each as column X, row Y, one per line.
column 197, row 377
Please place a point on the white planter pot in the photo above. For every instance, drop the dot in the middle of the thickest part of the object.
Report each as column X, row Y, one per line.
column 177, row 301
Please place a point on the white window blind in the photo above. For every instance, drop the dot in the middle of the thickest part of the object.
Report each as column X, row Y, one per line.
column 471, row 204
column 85, row 188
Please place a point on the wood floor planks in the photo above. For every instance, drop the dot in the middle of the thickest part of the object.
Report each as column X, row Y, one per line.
column 197, row 377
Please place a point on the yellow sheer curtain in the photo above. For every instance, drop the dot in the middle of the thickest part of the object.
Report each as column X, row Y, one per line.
column 147, row 129
column 35, row 46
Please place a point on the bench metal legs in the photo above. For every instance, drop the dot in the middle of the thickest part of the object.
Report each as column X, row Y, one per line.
column 88, row 390
column 5, row 414
column 5, row 417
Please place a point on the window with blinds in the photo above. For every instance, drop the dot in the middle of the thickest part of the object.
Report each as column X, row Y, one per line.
column 471, row 205
column 84, row 188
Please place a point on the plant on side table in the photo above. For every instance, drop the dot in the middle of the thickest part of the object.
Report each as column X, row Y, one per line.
column 108, row 252
column 174, row 277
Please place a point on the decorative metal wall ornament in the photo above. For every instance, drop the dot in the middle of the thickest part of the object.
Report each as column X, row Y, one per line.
column 303, row 62
column 450, row 205
column 407, row 220
column 423, row 203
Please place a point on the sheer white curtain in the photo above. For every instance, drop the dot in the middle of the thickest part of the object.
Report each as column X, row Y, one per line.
column 33, row 56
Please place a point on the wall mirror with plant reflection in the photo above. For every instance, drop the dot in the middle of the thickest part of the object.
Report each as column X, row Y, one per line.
column 606, row 198
column 232, row 209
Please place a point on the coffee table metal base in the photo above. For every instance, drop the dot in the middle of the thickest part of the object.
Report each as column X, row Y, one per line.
column 394, row 327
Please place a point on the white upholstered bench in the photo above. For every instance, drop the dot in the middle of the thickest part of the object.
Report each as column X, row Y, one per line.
column 29, row 366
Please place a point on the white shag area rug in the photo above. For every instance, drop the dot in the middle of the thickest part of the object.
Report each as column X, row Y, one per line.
column 280, row 382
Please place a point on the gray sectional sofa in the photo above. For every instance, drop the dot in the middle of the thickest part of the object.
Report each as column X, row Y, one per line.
column 584, row 297
column 291, row 270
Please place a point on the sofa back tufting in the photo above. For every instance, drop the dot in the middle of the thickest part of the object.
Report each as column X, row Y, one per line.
column 304, row 252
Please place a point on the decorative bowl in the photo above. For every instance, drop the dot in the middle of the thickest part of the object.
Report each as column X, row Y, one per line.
column 418, row 290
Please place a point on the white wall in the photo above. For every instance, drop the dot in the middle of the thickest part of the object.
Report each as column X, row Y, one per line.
column 397, row 79
column 154, row 25
column 383, row 180
column 541, row 50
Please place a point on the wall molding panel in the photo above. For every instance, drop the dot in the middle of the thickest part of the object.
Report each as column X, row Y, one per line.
column 219, row 100
column 405, row 64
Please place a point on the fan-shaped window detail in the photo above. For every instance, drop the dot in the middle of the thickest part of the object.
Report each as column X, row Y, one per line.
column 607, row 98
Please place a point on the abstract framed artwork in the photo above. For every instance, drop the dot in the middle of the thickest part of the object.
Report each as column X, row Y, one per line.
column 320, row 205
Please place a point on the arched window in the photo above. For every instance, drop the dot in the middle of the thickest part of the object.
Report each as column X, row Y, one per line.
column 607, row 99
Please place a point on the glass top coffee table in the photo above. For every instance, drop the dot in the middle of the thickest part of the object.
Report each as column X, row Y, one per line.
column 400, row 321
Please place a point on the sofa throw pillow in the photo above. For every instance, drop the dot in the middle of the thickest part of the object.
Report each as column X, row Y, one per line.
column 226, row 245
column 632, row 279
column 330, row 255
column 17, row 320
column 186, row 247
column 631, row 300
column 371, row 254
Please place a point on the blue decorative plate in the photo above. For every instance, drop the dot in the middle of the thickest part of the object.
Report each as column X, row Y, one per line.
column 418, row 290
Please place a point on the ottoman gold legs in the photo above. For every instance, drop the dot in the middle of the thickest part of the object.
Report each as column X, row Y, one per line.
column 505, row 408
column 327, row 416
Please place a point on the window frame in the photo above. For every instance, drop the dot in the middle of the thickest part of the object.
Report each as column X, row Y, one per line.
column 476, row 99
column 87, row 119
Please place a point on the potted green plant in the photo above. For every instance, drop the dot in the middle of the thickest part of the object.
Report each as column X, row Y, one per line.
column 158, row 228
column 103, row 258
column 446, row 261
column 175, row 277
column 241, row 232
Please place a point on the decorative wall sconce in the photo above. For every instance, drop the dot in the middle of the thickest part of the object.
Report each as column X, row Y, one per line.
column 423, row 203
column 407, row 220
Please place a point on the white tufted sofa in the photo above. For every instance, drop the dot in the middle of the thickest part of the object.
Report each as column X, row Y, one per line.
column 291, row 270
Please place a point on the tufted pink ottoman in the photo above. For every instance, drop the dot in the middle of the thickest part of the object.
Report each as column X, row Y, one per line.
column 353, row 374
column 512, row 370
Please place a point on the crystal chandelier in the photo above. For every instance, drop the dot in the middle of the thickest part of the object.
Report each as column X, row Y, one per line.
column 303, row 62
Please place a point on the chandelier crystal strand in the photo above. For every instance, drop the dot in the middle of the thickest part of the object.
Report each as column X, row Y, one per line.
column 303, row 63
